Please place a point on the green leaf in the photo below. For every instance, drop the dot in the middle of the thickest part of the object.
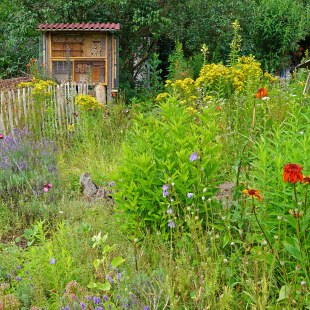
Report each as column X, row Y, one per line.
column 104, row 286
column 284, row 292
column 293, row 250
column 92, row 285
column 117, row 261
column 96, row 263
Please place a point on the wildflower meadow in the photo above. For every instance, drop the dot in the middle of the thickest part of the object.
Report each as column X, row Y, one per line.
column 209, row 180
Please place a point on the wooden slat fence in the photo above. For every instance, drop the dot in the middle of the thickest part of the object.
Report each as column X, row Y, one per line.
column 19, row 109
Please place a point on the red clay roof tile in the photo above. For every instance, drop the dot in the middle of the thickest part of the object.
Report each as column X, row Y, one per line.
column 79, row 26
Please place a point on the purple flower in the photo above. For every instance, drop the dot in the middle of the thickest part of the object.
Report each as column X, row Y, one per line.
column 88, row 298
column 119, row 277
column 19, row 267
column 193, row 156
column 165, row 190
column 99, row 308
column 18, row 278
column 9, row 276
column 146, row 308
column 52, row 261
column 170, row 211
column 190, row 195
column 105, row 297
column 83, row 305
column 110, row 279
column 96, row 300
column 65, row 308
column 171, row 223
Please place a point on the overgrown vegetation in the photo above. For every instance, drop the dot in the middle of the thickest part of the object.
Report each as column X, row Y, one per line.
column 210, row 186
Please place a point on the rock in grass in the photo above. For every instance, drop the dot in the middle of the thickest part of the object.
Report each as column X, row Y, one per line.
column 91, row 190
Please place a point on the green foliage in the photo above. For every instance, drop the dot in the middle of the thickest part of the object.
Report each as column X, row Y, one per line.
column 270, row 29
column 178, row 68
column 276, row 29
column 235, row 45
column 165, row 160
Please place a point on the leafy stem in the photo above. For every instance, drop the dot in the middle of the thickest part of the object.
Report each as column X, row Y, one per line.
column 261, row 228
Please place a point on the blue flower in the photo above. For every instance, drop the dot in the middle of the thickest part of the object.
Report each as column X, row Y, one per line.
column 110, row 279
column 193, row 156
column 170, row 211
column 190, row 195
column 96, row 300
column 165, row 190
column 52, row 261
column 171, row 223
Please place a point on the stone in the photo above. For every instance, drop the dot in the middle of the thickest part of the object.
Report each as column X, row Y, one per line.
column 91, row 190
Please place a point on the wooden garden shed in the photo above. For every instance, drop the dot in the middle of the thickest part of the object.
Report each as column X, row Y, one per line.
column 81, row 52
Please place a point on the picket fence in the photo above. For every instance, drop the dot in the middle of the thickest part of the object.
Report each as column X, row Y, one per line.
column 18, row 108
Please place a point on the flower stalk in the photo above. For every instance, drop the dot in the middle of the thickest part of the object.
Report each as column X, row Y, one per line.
column 260, row 226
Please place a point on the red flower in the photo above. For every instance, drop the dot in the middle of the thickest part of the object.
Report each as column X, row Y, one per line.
column 261, row 93
column 292, row 173
column 252, row 193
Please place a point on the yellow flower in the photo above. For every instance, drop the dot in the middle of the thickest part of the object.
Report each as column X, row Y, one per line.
column 161, row 96
column 70, row 127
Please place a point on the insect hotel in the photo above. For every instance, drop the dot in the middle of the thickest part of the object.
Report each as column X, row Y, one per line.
column 82, row 52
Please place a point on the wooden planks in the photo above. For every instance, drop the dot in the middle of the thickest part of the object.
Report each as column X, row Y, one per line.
column 19, row 109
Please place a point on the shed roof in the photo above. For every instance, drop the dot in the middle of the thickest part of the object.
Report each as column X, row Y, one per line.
column 79, row 27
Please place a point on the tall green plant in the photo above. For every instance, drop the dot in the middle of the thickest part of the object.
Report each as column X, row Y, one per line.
column 167, row 162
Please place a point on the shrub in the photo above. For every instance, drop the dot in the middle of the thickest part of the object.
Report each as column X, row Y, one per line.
column 169, row 162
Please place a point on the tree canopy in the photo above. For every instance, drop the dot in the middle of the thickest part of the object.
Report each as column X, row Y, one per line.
column 270, row 29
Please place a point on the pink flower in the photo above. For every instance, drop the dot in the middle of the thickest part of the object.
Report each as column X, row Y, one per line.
column 45, row 189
